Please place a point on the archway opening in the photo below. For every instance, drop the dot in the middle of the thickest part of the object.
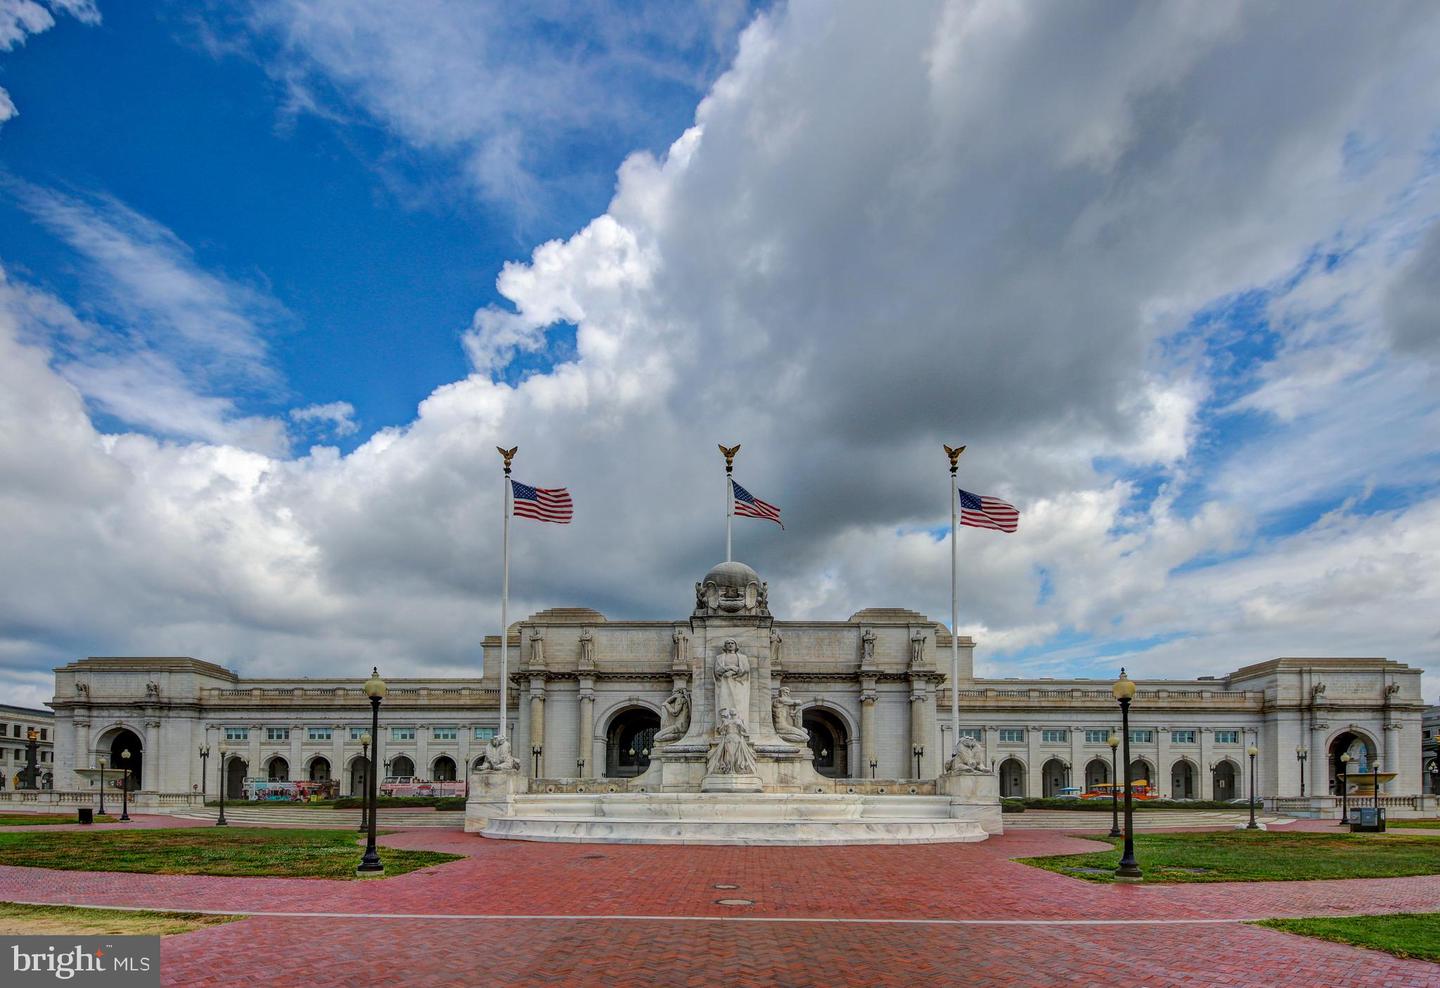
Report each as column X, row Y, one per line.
column 1140, row 771
column 1054, row 776
column 1182, row 780
column 443, row 770
column 829, row 742
column 235, row 770
column 1224, row 781
column 126, row 740
column 358, row 770
column 1012, row 778
column 1361, row 753
column 628, row 742
column 1097, row 773
column 320, row 769
column 401, row 766
column 278, row 770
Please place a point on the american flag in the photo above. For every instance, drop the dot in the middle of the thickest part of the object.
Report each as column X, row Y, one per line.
column 542, row 504
column 979, row 511
column 750, row 506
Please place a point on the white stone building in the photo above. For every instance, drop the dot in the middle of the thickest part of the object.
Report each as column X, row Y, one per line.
column 16, row 723
column 586, row 694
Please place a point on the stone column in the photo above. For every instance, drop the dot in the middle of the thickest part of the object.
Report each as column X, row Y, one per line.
column 1392, row 756
column 1162, row 762
column 422, row 750
column 1319, row 781
column 537, row 726
column 1034, row 763
column 297, row 753
column 1206, row 788
column 919, row 700
column 586, row 728
column 252, row 752
column 150, row 757
column 339, row 734
column 464, row 732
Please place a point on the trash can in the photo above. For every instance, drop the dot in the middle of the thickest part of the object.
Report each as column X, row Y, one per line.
column 87, row 815
column 1367, row 820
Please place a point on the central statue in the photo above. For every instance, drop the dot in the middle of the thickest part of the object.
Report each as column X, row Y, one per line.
column 732, row 682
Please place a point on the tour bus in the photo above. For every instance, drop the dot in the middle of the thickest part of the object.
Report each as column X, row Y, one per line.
column 1139, row 789
column 408, row 785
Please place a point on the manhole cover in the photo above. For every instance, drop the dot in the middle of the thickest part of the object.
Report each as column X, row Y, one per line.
column 727, row 886
column 735, row 902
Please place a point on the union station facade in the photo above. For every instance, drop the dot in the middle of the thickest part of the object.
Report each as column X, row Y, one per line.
column 586, row 696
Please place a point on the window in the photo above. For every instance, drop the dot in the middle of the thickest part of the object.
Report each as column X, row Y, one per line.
column 1227, row 737
column 1013, row 735
column 1055, row 737
column 1142, row 736
column 1182, row 737
column 484, row 733
column 402, row 734
column 277, row 734
column 1093, row 736
column 44, row 731
column 356, row 732
column 17, row 729
column 319, row 733
column 971, row 732
column 237, row 734
column 443, row 733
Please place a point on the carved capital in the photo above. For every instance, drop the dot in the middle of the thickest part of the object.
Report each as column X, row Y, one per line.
column 869, row 696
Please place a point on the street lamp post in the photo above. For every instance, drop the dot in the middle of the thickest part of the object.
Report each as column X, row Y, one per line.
column 370, row 864
column 580, row 768
column 535, row 751
column 125, row 788
column 1252, row 751
column 204, row 768
column 1114, row 742
column 220, row 821
column 1129, row 870
column 1300, row 755
column 919, row 752
column 873, row 765
column 364, row 800
column 1345, row 789
column 101, row 760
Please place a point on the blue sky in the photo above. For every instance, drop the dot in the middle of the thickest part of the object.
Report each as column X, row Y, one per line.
column 279, row 275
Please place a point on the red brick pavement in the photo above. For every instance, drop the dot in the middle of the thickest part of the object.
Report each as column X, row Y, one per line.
column 439, row 926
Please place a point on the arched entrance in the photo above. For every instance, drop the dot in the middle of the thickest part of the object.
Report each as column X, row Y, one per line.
column 1430, row 775
column 401, row 765
column 1012, row 777
column 1054, row 776
column 443, row 770
column 1182, row 780
column 126, row 740
column 628, row 742
column 1361, row 750
column 1097, row 773
column 1140, row 771
column 358, row 769
column 829, row 742
column 1224, row 781
column 278, row 770
column 235, row 777
column 320, row 769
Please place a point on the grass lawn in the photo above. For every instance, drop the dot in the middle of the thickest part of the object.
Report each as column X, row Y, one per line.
column 1402, row 934
column 43, row 819
column 1255, row 856
column 1417, row 824
column 18, row 920
column 207, row 851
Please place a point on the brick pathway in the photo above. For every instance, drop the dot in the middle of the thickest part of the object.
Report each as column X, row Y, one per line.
column 530, row 913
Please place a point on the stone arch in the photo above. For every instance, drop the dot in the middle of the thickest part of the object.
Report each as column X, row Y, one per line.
column 1012, row 777
column 111, row 744
column 1225, row 779
column 1054, row 776
column 1430, row 775
column 1142, row 771
column 319, row 769
column 236, row 768
column 630, row 729
column 277, row 768
column 1184, row 779
column 442, row 769
column 356, row 772
column 401, row 765
column 475, row 765
column 829, row 740
column 1342, row 741
column 1097, row 773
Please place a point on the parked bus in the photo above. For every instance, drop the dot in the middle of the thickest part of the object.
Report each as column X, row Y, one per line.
column 1139, row 789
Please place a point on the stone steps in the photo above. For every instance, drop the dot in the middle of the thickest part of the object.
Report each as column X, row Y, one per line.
column 326, row 819
column 737, row 831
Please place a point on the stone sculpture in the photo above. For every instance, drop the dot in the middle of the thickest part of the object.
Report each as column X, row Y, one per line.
column 674, row 717
column 732, row 754
column 497, row 757
column 969, row 758
column 917, row 647
column 587, row 649
column 867, row 647
column 732, row 681
column 537, row 649
column 785, row 710
column 680, row 639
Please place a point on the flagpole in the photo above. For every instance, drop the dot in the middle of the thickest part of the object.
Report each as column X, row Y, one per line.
column 505, row 594
column 954, row 455
column 729, row 453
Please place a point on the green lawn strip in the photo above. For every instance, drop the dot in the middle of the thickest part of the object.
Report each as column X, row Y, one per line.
column 1415, row 935
column 1254, row 856
column 1414, row 824
column 22, row 920
column 45, row 819
column 206, row 851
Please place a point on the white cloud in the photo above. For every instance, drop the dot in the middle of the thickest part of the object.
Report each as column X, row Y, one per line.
column 335, row 418
column 19, row 19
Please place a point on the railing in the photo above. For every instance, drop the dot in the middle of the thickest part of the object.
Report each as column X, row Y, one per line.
column 88, row 797
column 855, row 787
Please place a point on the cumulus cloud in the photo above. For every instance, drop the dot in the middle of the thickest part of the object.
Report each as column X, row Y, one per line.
column 334, row 418
column 887, row 228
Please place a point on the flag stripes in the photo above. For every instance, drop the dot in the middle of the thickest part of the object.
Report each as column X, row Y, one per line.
column 541, row 503
column 979, row 511
column 748, row 505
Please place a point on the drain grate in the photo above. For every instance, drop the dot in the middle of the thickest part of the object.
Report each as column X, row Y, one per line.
column 727, row 886
column 734, row 902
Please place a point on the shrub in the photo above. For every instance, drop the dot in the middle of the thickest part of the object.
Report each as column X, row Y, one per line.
column 1012, row 806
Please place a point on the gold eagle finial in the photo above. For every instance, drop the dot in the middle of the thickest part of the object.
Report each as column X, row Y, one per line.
column 729, row 453
column 509, row 455
column 954, row 453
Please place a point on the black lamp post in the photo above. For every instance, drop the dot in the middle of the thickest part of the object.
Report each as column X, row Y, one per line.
column 1345, row 789
column 32, row 759
column 580, row 768
column 364, row 801
column 370, row 864
column 1375, row 766
column 204, row 768
column 101, row 759
column 1300, row 755
column 125, row 788
column 873, row 765
column 919, row 752
column 1129, row 870
column 220, row 821
column 1114, row 742
column 1252, row 751
column 535, row 751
